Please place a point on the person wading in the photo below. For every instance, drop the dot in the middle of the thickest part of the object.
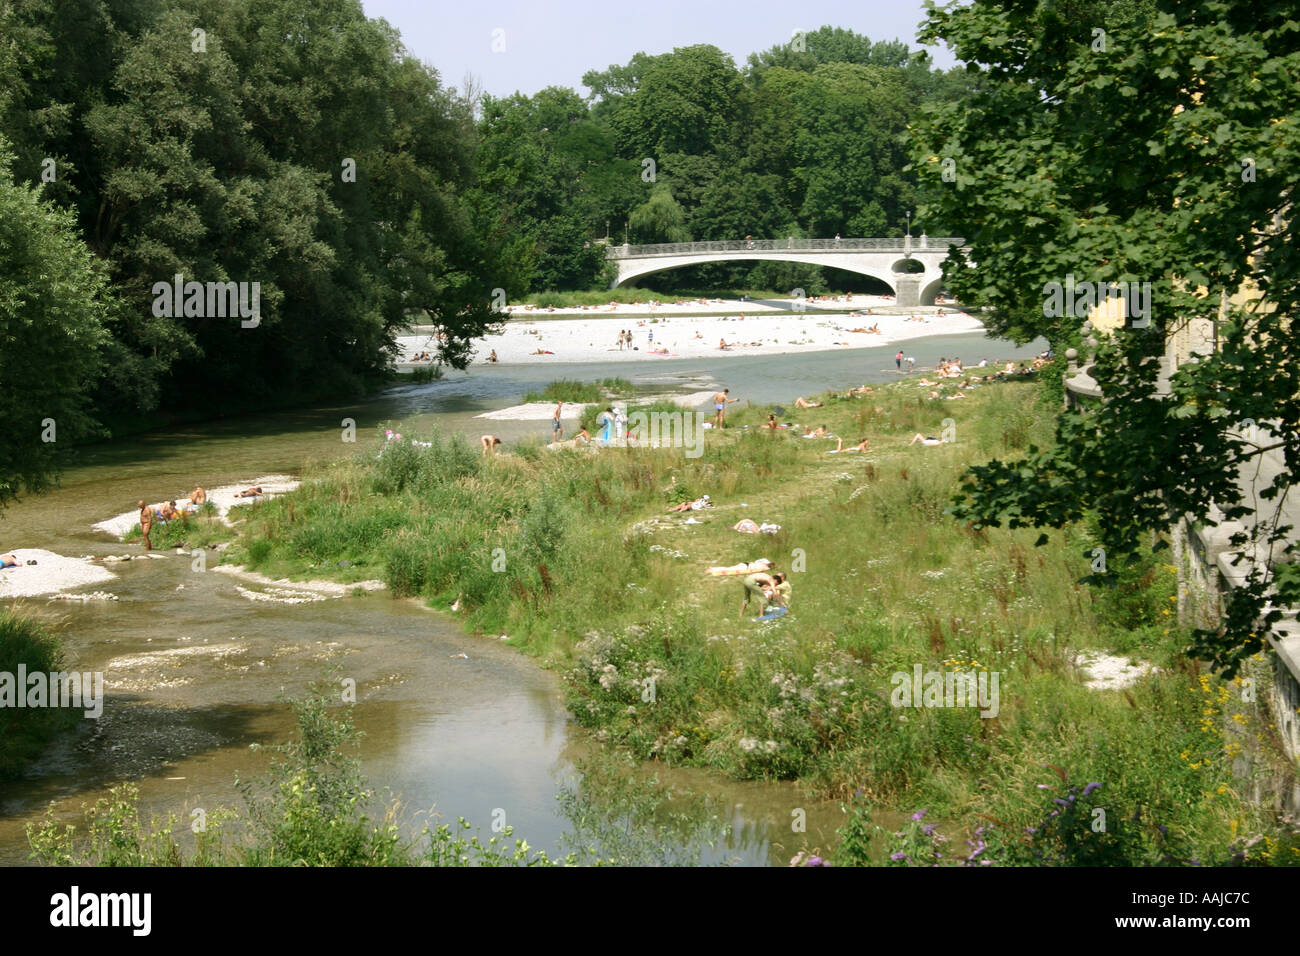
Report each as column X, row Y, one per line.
column 146, row 522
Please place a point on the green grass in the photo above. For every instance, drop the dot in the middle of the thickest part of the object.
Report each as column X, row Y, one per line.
column 568, row 390
column 25, row 731
column 572, row 555
column 190, row 531
column 630, row 296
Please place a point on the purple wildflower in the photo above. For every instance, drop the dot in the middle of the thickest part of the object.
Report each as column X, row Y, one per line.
column 1059, row 802
column 900, row 855
column 918, row 815
column 928, row 828
column 814, row 861
column 1089, row 788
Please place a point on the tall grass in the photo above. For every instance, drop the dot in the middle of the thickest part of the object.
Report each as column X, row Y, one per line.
column 572, row 555
column 25, row 731
column 313, row 807
column 567, row 390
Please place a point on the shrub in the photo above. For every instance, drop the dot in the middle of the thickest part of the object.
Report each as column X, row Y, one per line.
column 24, row 731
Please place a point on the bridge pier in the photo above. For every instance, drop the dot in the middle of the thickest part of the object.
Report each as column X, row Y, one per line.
column 909, row 290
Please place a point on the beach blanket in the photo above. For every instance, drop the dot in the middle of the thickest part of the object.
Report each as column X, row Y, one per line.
column 773, row 614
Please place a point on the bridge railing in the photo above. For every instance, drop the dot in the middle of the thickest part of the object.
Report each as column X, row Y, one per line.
column 917, row 243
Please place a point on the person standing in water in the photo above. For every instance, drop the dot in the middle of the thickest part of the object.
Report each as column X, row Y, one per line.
column 146, row 522
column 898, row 360
column 557, row 430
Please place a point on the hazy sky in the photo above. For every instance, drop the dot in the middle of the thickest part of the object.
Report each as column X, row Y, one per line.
column 553, row 42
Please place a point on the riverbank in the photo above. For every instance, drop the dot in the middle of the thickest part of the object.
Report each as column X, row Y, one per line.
column 570, row 335
column 575, row 559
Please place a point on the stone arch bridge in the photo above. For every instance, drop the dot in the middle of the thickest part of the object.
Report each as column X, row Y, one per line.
column 912, row 268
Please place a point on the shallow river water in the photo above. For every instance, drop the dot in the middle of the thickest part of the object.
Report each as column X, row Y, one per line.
column 196, row 672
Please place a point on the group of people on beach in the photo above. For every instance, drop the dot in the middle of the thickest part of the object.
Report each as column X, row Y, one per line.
column 169, row 511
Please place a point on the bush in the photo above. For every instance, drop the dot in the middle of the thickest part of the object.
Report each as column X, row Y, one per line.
column 24, row 731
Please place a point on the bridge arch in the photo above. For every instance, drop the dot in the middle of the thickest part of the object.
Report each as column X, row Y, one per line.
column 930, row 290
column 629, row 274
column 911, row 268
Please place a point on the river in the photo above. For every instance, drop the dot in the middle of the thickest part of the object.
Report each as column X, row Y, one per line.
column 197, row 672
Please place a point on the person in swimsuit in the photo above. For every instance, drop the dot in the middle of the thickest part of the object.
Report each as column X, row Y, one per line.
column 146, row 522
column 802, row 402
column 489, row 443
column 781, row 595
column 9, row 561
column 198, row 496
column 557, row 430
column 925, row 440
column 761, row 586
column 250, row 493
column 720, row 403
column 839, row 447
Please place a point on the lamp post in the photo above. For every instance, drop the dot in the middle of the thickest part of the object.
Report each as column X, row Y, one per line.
column 907, row 243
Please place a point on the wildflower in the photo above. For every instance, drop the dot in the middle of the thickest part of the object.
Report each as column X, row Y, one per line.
column 900, row 855
column 918, row 815
column 1093, row 786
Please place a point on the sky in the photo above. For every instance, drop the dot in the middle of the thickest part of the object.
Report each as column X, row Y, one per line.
column 544, row 43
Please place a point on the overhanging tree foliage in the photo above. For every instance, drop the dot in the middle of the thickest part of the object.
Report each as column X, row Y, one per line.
column 53, row 306
column 1149, row 143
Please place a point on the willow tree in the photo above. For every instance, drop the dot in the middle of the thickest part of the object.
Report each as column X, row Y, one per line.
column 1151, row 143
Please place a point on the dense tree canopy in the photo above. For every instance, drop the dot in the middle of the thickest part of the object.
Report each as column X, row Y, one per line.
column 53, row 308
column 295, row 144
column 1136, row 142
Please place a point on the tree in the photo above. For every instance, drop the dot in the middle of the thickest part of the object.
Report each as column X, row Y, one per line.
column 659, row 218
column 687, row 101
column 53, row 300
column 1114, row 142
